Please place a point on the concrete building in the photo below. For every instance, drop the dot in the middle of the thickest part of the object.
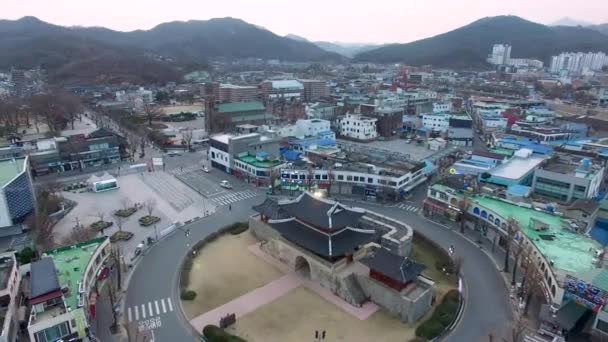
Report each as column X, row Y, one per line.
column 305, row 128
column 358, row 127
column 10, row 280
column 17, row 197
column 526, row 63
column 235, row 93
column 460, row 130
column 501, row 54
column 357, row 254
column 567, row 178
column 578, row 62
column 225, row 116
column 76, row 152
column 62, row 290
column 250, row 156
column 380, row 181
column 285, row 89
column 442, row 107
column 314, row 90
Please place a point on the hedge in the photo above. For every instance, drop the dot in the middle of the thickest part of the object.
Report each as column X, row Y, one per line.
column 442, row 317
column 188, row 295
column 214, row 333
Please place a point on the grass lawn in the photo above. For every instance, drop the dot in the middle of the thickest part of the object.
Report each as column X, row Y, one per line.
column 224, row 270
column 295, row 317
column 427, row 253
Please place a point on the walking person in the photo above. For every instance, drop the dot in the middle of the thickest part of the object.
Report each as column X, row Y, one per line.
column 230, row 207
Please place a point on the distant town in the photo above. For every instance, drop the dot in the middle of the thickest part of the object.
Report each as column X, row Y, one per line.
column 262, row 199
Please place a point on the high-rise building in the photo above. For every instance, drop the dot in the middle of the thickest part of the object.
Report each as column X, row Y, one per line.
column 235, row 93
column 501, row 54
column 578, row 61
column 18, row 80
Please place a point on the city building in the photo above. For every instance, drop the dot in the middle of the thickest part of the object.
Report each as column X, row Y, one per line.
column 250, row 156
column 18, row 81
column 234, row 93
column 306, row 128
column 526, row 62
column 10, row 281
column 460, row 130
column 62, row 294
column 76, row 152
column 225, row 116
column 387, row 180
column 578, row 62
column 314, row 90
column 567, row 178
column 285, row 89
column 357, row 254
column 569, row 264
column 17, row 197
column 501, row 54
column 358, row 127
column 442, row 107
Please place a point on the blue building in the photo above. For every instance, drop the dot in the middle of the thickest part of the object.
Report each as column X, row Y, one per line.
column 17, row 198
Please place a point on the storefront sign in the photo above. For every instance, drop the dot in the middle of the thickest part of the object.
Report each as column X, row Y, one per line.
column 584, row 294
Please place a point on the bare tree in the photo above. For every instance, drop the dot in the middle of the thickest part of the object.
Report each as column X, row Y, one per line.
column 509, row 237
column 125, row 203
column 41, row 226
column 532, row 282
column 149, row 205
column 151, row 112
column 187, row 138
column 115, row 254
column 519, row 327
column 119, row 220
column 133, row 142
column 78, row 234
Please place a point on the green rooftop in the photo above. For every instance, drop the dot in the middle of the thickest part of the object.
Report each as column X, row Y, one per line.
column 235, row 107
column 252, row 160
column 71, row 262
column 10, row 168
column 569, row 251
column 503, row 151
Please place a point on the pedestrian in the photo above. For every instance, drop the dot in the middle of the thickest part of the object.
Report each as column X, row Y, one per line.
column 230, row 207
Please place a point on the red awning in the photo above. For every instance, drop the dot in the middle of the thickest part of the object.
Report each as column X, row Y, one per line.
column 46, row 297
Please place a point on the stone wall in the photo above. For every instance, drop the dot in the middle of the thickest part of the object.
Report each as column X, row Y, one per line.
column 261, row 230
column 409, row 310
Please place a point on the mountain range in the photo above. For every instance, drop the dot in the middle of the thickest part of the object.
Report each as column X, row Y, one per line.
column 97, row 55
column 468, row 46
column 101, row 55
column 345, row 49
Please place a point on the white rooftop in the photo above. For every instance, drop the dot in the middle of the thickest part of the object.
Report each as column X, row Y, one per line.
column 516, row 167
column 287, row 84
column 223, row 138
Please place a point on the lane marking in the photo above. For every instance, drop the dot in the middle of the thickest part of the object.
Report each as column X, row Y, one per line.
column 157, row 309
column 143, row 311
column 136, row 313
column 170, row 305
column 129, row 314
column 162, row 303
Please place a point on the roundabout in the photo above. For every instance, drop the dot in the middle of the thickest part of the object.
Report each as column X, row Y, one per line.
column 156, row 277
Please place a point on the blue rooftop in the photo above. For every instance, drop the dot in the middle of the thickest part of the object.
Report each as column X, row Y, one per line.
column 529, row 144
column 518, row 190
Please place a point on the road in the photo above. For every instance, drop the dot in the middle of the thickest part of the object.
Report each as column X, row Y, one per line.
column 487, row 309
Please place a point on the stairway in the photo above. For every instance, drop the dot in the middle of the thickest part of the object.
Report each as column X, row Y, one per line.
column 355, row 290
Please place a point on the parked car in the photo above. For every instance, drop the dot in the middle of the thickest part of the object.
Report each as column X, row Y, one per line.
column 225, row 184
column 206, row 169
column 173, row 153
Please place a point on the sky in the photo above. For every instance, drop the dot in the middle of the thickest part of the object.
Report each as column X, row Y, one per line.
column 370, row 21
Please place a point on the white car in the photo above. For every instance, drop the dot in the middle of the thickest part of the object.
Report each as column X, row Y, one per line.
column 225, row 184
column 206, row 169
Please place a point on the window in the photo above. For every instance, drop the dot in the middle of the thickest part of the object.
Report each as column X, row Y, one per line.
column 317, row 177
column 324, row 177
column 340, row 177
column 602, row 326
column 356, row 178
column 580, row 188
column 53, row 333
column 370, row 180
column 392, row 183
column 349, row 178
column 302, row 177
column 213, row 155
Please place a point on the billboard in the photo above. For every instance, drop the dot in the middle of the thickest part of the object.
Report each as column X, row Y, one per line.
column 584, row 293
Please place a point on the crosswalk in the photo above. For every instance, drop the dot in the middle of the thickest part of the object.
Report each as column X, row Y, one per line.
column 232, row 197
column 408, row 207
column 187, row 169
column 149, row 309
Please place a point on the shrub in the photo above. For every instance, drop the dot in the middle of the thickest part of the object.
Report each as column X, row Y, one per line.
column 100, row 225
column 430, row 329
column 26, row 255
column 188, row 295
column 148, row 220
column 118, row 236
column 238, row 228
column 442, row 317
column 214, row 333
column 125, row 212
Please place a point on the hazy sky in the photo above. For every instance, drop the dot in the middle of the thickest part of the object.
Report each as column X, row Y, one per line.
column 330, row 20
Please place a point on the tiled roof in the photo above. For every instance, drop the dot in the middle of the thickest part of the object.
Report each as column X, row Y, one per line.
column 44, row 277
column 396, row 267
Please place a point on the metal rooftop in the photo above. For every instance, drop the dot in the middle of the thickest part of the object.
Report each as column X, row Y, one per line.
column 569, row 251
column 10, row 168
